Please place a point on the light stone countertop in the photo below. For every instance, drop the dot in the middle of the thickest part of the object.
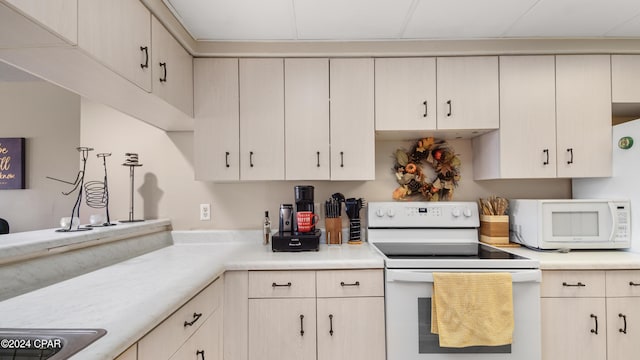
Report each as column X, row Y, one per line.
column 159, row 283
column 581, row 259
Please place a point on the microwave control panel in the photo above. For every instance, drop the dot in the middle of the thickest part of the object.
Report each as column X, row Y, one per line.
column 623, row 216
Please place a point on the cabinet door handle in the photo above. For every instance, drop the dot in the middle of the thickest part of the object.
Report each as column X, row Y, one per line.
column 631, row 283
column 577, row 284
column 570, row 151
column 357, row 283
column 163, row 65
column 624, row 318
column 251, row 158
column 595, row 318
column 226, row 158
column 301, row 325
column 196, row 317
column 546, row 152
column 146, row 57
column 425, row 108
column 281, row 285
column 318, row 158
column 200, row 353
column 341, row 159
column 331, row 324
column 449, row 104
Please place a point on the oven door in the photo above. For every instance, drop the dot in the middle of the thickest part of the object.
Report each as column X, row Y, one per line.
column 408, row 315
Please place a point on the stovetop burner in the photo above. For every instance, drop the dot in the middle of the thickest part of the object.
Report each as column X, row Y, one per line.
column 477, row 251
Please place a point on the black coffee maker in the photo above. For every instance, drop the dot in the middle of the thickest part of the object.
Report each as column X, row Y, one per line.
column 294, row 240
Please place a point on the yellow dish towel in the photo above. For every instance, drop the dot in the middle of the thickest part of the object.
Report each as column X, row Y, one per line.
column 472, row 309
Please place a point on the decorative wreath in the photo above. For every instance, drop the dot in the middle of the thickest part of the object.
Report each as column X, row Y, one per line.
column 413, row 181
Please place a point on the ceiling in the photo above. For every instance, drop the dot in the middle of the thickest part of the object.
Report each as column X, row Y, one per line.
column 344, row 20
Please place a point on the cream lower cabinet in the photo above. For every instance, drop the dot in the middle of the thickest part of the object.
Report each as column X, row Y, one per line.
column 130, row 354
column 308, row 315
column 590, row 314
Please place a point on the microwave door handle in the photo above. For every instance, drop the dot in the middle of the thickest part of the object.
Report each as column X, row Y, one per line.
column 423, row 276
column 614, row 220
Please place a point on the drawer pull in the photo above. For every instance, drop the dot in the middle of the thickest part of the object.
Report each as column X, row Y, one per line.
column 624, row 318
column 357, row 283
column 578, row 284
column 631, row 283
column 281, row 285
column 301, row 325
column 196, row 317
column 331, row 324
column 200, row 353
column 595, row 318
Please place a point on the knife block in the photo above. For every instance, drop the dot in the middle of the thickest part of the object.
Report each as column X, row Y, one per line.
column 333, row 228
column 494, row 229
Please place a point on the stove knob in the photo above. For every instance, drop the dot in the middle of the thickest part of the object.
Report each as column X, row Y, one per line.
column 467, row 212
column 455, row 212
column 391, row 213
column 380, row 212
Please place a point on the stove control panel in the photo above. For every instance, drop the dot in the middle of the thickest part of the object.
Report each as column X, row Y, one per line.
column 451, row 214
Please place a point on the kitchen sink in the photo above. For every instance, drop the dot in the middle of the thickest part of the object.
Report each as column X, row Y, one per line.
column 51, row 344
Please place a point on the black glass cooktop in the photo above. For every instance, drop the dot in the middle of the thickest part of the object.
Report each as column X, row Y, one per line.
column 477, row 251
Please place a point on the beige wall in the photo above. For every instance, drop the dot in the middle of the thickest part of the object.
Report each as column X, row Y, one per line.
column 49, row 118
column 164, row 185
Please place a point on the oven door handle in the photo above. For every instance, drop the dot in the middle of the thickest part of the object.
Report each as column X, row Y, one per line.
column 426, row 276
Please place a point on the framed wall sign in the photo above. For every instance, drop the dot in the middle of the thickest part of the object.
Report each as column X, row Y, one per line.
column 12, row 163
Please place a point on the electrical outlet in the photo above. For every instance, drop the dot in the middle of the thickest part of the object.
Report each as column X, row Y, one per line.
column 205, row 212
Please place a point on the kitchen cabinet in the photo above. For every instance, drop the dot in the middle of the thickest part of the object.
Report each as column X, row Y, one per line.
column 467, row 94
column 525, row 145
column 58, row 16
column 262, row 119
column 555, row 119
column 307, row 119
column 171, row 68
column 324, row 314
column 405, row 94
column 184, row 331
column 590, row 314
column 625, row 70
column 352, row 125
column 130, row 354
column 217, row 120
column 125, row 48
column 583, row 115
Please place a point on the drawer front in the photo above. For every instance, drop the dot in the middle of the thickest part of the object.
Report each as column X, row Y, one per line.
column 206, row 343
column 282, row 284
column 573, row 284
column 167, row 337
column 350, row 283
column 623, row 283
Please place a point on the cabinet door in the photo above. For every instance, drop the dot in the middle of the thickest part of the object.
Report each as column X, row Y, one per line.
column 468, row 93
column 568, row 329
column 282, row 329
column 261, row 119
column 527, row 117
column 217, row 120
column 172, row 69
column 352, row 119
column 405, row 93
column 623, row 327
column 125, row 46
column 206, row 343
column 130, row 354
column 583, row 105
column 351, row 328
column 625, row 72
column 61, row 16
column 307, row 119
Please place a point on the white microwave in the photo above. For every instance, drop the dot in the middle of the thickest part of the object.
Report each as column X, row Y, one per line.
column 570, row 224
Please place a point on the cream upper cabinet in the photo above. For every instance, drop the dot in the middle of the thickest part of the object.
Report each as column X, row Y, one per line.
column 307, row 119
column 583, row 110
column 262, row 119
column 171, row 68
column 467, row 93
column 60, row 16
column 217, row 120
column 405, row 93
column 124, row 47
column 525, row 145
column 352, row 119
column 625, row 72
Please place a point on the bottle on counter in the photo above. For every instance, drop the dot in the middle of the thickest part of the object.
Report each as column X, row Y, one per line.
column 267, row 228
